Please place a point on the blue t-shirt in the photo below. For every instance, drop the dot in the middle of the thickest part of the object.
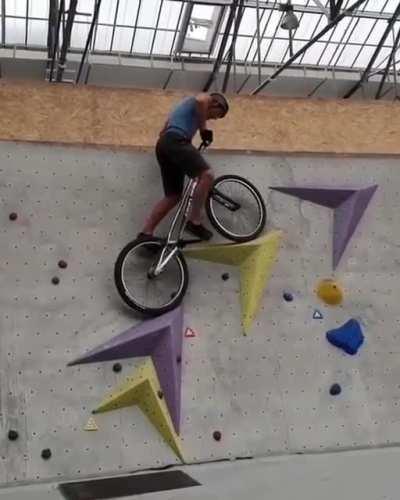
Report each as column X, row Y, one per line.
column 184, row 119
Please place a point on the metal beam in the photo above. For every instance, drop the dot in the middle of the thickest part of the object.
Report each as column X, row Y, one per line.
column 176, row 30
column 338, row 6
column 258, row 41
column 388, row 64
column 327, row 28
column 135, row 25
column 114, row 25
column 395, row 75
column 365, row 74
column 332, row 9
column 222, row 47
column 57, row 36
column 52, row 29
column 3, row 22
column 88, row 40
column 321, row 6
column 252, row 4
column 231, row 51
column 368, row 35
column 156, row 28
column 26, row 22
column 278, row 25
column 66, row 39
column 339, row 49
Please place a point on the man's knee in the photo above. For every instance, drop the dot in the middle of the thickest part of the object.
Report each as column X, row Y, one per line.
column 173, row 199
column 207, row 175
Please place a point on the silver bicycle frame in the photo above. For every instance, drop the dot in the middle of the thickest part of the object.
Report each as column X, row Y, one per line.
column 179, row 221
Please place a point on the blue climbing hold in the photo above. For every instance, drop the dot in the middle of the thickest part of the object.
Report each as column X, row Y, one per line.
column 348, row 337
column 317, row 314
column 288, row 297
column 335, row 390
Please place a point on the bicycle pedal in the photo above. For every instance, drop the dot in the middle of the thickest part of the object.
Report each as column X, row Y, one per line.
column 183, row 243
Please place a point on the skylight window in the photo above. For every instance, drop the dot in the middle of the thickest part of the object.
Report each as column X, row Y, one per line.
column 199, row 28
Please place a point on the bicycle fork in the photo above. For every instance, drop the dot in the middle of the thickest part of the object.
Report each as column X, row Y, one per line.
column 171, row 246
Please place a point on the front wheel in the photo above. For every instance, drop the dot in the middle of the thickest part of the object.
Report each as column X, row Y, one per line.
column 236, row 209
column 139, row 288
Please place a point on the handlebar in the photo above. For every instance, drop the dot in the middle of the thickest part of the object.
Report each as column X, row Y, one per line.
column 203, row 146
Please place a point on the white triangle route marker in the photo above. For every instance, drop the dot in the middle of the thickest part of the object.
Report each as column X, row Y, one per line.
column 91, row 425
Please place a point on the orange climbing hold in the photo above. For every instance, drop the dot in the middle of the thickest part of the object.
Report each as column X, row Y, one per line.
column 330, row 292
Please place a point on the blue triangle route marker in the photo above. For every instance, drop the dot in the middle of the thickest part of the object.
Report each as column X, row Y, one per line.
column 317, row 314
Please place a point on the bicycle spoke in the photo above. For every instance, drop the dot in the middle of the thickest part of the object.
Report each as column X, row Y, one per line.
column 246, row 219
column 149, row 292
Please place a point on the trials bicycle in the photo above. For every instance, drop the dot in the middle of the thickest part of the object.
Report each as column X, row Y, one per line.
column 152, row 276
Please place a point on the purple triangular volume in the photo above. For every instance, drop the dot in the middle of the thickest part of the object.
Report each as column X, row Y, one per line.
column 331, row 198
column 161, row 338
column 346, row 219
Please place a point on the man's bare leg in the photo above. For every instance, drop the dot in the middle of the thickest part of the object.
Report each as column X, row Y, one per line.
column 203, row 187
column 159, row 211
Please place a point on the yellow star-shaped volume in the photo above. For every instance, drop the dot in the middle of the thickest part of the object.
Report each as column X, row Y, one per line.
column 142, row 388
column 255, row 260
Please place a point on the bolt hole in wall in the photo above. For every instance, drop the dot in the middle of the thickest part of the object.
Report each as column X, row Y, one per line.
column 264, row 385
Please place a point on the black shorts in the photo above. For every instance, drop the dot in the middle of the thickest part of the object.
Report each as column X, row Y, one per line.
column 178, row 157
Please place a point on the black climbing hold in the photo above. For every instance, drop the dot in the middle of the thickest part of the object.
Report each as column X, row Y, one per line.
column 46, row 454
column 13, row 216
column 62, row 264
column 55, row 280
column 225, row 276
column 217, row 436
column 117, row 367
column 179, row 359
column 160, row 394
column 288, row 297
column 335, row 390
column 13, row 435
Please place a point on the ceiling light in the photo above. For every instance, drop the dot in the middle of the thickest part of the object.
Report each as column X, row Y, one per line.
column 289, row 21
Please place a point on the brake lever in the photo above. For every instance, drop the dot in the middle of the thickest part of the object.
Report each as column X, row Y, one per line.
column 203, row 146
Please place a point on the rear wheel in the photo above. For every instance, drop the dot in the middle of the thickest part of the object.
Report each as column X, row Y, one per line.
column 236, row 209
column 139, row 289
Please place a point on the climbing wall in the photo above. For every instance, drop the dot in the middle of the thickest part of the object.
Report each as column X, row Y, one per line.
column 265, row 393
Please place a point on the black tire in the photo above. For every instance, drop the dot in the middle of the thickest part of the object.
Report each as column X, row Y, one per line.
column 220, row 227
column 175, row 297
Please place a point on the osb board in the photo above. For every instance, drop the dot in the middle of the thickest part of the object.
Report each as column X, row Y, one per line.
column 132, row 118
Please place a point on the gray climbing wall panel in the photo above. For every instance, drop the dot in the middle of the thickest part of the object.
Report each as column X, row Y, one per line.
column 267, row 393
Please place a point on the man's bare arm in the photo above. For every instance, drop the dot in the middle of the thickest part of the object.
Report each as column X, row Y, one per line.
column 203, row 102
column 164, row 128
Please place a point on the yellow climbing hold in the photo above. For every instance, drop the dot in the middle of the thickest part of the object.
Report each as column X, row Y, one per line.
column 255, row 260
column 142, row 388
column 330, row 292
column 91, row 425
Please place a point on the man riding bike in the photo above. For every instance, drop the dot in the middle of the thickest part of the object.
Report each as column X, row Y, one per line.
column 178, row 157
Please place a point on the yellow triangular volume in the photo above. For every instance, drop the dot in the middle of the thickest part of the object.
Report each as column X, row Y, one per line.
column 91, row 425
column 255, row 260
column 142, row 388
column 255, row 272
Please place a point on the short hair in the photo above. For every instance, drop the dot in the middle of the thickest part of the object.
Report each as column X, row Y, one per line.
column 221, row 102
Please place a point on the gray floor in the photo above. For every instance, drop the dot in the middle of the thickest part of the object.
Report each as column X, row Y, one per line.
column 361, row 475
